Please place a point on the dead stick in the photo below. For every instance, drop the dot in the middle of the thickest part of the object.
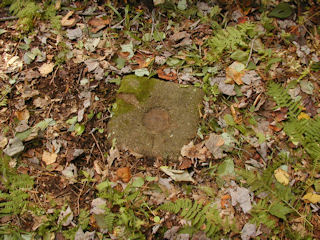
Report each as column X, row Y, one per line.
column 54, row 75
column 94, row 138
column 3, row 19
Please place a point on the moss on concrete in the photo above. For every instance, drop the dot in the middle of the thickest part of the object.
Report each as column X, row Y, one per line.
column 132, row 91
column 155, row 118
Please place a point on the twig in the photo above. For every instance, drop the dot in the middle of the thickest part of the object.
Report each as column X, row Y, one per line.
column 251, row 48
column 78, row 198
column 117, row 24
column 3, row 19
column 89, row 14
column 153, row 22
column 50, row 108
column 98, row 146
column 54, row 75
column 80, row 75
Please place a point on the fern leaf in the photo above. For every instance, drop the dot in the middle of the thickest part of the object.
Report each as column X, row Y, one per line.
column 187, row 205
column 283, row 99
column 109, row 219
column 200, row 216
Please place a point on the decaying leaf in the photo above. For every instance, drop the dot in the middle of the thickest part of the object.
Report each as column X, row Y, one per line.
column 14, row 147
column 48, row 157
column 3, row 141
column 177, row 175
column 282, row 176
column 235, row 72
column 113, row 155
column 312, row 197
column 167, row 75
column 214, row 144
column 124, row 174
column 23, row 115
column 98, row 24
column 66, row 21
column 241, row 195
column 74, row 33
column 192, row 151
column 46, row 68
column 70, row 172
column 80, row 235
column 98, row 205
column 248, row 231
column 66, row 217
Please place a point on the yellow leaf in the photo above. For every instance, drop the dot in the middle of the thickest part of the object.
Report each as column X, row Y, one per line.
column 282, row 176
column 312, row 197
column 48, row 157
column 46, row 68
column 66, row 21
column 235, row 72
column 303, row 115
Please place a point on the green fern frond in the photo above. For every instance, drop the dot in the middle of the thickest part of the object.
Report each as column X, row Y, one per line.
column 229, row 39
column 260, row 214
column 109, row 219
column 15, row 198
column 28, row 11
column 4, row 95
column 201, row 216
column 307, row 133
column 304, row 131
column 283, row 99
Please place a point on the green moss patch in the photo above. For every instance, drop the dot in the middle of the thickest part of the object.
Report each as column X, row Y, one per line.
column 133, row 90
column 153, row 117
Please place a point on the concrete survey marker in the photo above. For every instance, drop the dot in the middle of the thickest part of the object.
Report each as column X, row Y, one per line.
column 153, row 117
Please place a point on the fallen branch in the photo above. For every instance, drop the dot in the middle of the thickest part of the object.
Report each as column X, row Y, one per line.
column 3, row 19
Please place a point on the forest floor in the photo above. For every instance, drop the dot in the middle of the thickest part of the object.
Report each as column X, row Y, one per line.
column 250, row 172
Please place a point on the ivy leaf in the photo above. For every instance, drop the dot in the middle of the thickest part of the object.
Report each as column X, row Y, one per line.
column 226, row 168
column 138, row 182
column 279, row 210
column 2, row 31
column 182, row 5
column 141, row 72
column 229, row 120
column 79, row 129
column 159, row 36
column 282, row 11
